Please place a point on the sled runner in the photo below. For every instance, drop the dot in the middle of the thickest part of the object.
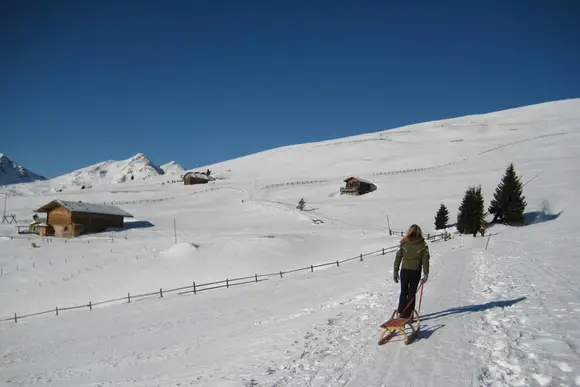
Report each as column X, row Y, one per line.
column 397, row 324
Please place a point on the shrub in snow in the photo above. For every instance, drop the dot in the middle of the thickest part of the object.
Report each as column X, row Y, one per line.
column 301, row 204
column 508, row 203
column 471, row 211
column 442, row 217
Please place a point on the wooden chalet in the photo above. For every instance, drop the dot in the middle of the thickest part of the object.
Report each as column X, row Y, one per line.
column 71, row 219
column 357, row 186
column 191, row 178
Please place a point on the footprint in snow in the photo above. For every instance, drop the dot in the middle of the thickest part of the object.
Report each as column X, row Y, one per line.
column 543, row 380
column 564, row 367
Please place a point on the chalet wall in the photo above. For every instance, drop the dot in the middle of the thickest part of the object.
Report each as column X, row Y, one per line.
column 59, row 215
column 67, row 230
column 96, row 222
column 191, row 180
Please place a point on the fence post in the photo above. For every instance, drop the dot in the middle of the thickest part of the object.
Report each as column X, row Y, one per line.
column 337, row 264
column 194, row 289
column 160, row 293
column 383, row 251
column 15, row 318
column 428, row 236
column 281, row 275
column 361, row 257
column 90, row 305
column 312, row 268
column 256, row 277
column 487, row 243
column 57, row 310
column 227, row 283
column 128, row 297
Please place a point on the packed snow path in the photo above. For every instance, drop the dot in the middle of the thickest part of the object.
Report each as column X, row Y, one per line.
column 485, row 323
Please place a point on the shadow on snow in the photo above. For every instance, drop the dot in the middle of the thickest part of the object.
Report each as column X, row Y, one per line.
column 471, row 309
column 535, row 217
column 132, row 226
column 427, row 331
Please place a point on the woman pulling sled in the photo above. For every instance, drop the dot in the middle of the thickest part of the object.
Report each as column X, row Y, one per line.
column 412, row 257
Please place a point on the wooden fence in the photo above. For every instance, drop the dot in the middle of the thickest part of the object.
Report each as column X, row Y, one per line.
column 195, row 288
column 429, row 236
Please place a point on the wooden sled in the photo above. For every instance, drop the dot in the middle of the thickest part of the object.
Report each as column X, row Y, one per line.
column 397, row 324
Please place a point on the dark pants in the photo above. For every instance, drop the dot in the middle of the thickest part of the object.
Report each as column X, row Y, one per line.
column 409, row 283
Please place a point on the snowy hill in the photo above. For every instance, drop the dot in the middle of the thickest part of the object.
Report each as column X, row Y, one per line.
column 172, row 168
column 496, row 311
column 12, row 173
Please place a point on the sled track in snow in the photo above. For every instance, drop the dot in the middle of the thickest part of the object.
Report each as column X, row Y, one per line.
column 384, row 136
column 520, row 142
column 310, row 182
column 117, row 202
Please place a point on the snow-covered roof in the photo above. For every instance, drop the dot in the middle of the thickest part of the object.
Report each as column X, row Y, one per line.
column 85, row 207
column 200, row 175
column 359, row 179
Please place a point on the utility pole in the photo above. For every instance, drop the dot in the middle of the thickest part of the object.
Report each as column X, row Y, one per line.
column 4, row 212
column 175, row 230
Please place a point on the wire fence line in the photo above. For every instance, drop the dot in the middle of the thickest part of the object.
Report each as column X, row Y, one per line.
column 195, row 288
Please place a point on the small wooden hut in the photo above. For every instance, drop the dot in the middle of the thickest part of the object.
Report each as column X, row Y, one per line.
column 191, row 178
column 357, row 186
column 71, row 219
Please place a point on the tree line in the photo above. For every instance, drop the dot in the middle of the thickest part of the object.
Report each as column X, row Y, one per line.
column 507, row 206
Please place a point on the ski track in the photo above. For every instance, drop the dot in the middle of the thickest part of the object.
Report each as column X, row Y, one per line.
column 518, row 345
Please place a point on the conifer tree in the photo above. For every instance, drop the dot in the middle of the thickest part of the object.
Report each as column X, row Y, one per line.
column 508, row 203
column 442, row 217
column 471, row 211
column 301, row 204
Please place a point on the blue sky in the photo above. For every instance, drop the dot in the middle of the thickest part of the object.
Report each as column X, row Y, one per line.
column 204, row 81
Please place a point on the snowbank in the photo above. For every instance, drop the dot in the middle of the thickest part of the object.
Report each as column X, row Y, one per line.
column 180, row 250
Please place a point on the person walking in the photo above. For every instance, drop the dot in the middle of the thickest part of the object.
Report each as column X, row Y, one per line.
column 412, row 256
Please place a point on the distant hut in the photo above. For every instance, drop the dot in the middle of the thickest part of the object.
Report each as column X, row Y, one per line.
column 191, row 178
column 71, row 219
column 357, row 186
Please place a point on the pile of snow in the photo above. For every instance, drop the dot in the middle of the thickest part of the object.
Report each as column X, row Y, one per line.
column 12, row 173
column 180, row 250
column 172, row 168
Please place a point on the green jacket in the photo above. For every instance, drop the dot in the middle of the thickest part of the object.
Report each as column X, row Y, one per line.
column 413, row 255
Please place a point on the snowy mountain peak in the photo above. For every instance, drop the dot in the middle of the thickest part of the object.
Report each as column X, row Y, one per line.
column 137, row 167
column 172, row 167
column 139, row 157
column 12, row 173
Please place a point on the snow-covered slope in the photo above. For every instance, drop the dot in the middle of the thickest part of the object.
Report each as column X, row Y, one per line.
column 496, row 312
column 172, row 168
column 12, row 173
